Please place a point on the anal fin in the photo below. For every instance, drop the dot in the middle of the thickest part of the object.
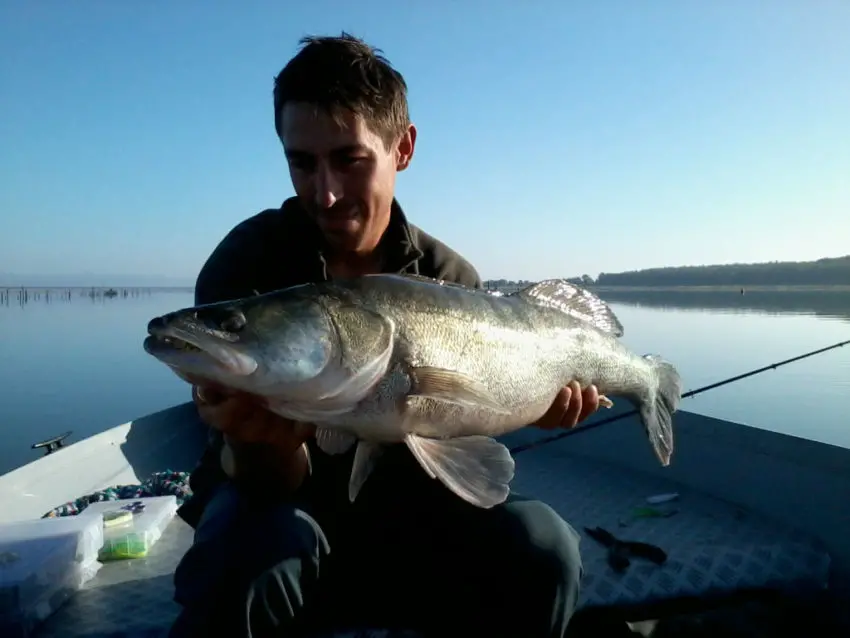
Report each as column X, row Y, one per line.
column 478, row 469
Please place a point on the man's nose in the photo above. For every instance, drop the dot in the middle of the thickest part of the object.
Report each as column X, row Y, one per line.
column 328, row 187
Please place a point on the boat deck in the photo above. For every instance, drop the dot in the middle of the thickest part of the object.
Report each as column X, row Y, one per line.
column 714, row 549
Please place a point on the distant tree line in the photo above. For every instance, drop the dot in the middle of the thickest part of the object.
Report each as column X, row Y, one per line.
column 823, row 272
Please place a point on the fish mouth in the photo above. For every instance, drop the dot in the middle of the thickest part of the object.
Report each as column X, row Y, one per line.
column 185, row 350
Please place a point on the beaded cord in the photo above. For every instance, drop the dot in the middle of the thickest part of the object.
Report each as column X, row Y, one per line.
column 159, row 484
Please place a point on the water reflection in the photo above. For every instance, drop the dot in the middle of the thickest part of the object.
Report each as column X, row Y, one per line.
column 817, row 302
column 75, row 362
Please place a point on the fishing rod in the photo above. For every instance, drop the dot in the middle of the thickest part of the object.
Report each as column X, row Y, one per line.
column 686, row 395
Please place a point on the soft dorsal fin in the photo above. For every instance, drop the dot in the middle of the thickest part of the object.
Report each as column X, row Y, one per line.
column 574, row 300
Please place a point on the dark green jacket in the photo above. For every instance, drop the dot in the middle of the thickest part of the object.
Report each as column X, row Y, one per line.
column 283, row 247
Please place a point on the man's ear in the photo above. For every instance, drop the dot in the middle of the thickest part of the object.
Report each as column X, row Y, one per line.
column 404, row 148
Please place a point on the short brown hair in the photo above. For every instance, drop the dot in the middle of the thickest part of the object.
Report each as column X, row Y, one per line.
column 345, row 73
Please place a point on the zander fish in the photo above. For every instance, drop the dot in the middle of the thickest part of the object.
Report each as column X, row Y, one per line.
column 443, row 368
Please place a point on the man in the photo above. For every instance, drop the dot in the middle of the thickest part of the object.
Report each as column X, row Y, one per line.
column 278, row 548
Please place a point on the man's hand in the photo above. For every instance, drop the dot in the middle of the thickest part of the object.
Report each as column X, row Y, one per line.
column 260, row 446
column 243, row 418
column 571, row 407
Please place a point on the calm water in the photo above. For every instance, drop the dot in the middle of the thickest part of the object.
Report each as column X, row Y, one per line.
column 77, row 363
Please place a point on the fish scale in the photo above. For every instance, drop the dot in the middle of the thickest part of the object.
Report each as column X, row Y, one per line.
column 442, row 368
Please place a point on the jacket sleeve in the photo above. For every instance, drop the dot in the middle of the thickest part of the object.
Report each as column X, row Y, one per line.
column 462, row 272
column 225, row 274
column 442, row 262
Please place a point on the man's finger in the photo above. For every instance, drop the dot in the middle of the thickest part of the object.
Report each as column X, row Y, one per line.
column 206, row 394
column 571, row 416
column 589, row 402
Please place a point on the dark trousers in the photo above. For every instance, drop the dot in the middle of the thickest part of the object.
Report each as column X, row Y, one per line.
column 411, row 555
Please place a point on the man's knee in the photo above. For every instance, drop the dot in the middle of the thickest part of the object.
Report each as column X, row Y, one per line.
column 270, row 528
column 553, row 544
column 245, row 556
column 548, row 556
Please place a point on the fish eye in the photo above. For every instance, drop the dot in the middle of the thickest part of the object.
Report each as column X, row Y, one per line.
column 234, row 323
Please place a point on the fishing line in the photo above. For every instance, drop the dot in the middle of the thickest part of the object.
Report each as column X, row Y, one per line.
column 686, row 395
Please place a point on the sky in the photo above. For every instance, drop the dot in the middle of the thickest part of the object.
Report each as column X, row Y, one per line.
column 555, row 138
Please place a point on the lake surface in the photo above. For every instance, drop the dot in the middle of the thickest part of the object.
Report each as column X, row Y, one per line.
column 75, row 362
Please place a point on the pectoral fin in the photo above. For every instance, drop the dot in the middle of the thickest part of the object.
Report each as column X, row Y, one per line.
column 364, row 462
column 476, row 468
column 453, row 387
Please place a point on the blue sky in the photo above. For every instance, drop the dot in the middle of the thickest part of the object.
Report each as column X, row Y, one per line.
column 555, row 139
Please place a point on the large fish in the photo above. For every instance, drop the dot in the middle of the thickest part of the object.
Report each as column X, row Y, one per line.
column 400, row 358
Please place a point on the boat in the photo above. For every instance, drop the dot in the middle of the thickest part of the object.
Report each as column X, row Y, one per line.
column 755, row 524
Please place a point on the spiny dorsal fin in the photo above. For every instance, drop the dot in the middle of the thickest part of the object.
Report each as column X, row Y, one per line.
column 442, row 282
column 432, row 280
column 578, row 302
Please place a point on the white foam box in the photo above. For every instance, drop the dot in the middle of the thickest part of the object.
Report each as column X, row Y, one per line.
column 129, row 534
column 42, row 563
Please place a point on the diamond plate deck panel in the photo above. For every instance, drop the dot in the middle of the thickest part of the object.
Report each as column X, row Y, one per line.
column 713, row 547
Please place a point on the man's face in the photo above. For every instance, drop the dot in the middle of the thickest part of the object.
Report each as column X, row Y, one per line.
column 343, row 173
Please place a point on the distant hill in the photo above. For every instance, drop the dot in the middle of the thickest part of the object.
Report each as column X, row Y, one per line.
column 823, row 272
column 829, row 271
column 75, row 280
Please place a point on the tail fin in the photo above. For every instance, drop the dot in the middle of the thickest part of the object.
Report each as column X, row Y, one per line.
column 656, row 412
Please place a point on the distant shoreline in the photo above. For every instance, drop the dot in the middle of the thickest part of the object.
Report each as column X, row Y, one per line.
column 829, row 273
